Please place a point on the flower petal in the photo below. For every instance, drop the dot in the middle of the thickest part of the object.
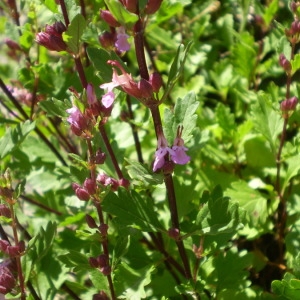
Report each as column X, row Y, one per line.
column 108, row 99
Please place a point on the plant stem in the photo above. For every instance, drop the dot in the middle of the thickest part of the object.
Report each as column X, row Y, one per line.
column 64, row 12
column 110, row 150
column 18, row 258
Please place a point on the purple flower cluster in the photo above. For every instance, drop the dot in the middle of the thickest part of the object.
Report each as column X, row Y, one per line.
column 176, row 153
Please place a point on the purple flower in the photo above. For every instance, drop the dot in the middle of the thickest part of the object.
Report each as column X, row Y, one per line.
column 179, row 157
column 161, row 152
column 77, row 120
column 122, row 40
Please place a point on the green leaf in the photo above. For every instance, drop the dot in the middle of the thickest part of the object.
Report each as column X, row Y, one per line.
column 295, row 62
column 130, row 283
column 267, row 121
column 225, row 119
column 218, row 215
column 14, row 137
column 76, row 260
column 74, row 32
column 123, row 16
column 289, row 287
column 99, row 280
column 292, row 170
column 141, row 175
column 270, row 12
column 184, row 114
column 55, row 107
column 122, row 245
column 51, row 4
column 132, row 210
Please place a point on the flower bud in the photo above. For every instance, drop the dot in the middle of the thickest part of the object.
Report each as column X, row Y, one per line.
column 12, row 44
column 101, row 296
column 7, row 280
column 5, row 211
column 103, row 228
column 289, row 104
column 100, row 157
column 285, row 63
column 82, row 194
column 155, row 81
column 90, row 186
column 105, row 270
column 93, row 262
column 152, row 6
column 91, row 221
column 145, row 89
column 107, row 40
column 131, row 5
column 124, row 183
column 107, row 16
column 102, row 260
column 174, row 233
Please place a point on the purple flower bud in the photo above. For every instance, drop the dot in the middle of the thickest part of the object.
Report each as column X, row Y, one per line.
column 101, row 296
column 174, row 233
column 124, row 183
column 100, row 157
column 4, row 211
column 121, row 42
column 102, row 260
column 152, row 6
column 82, row 194
column 103, row 228
column 131, row 5
column 145, row 89
column 90, row 186
column 105, row 270
column 156, row 81
column 107, row 40
column 3, row 245
column 293, row 6
column 285, row 63
column 7, row 280
column 93, row 262
column 51, row 42
column 12, row 44
column 107, row 16
column 289, row 104
column 91, row 221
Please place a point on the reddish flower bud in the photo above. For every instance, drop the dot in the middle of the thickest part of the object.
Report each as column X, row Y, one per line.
column 131, row 5
column 105, row 270
column 7, row 280
column 285, row 63
column 174, row 233
column 90, row 186
column 102, row 260
column 145, row 89
column 294, row 6
column 103, row 228
column 4, row 211
column 93, row 262
column 124, row 183
column 101, row 296
column 289, row 104
column 107, row 40
column 107, row 16
column 12, row 44
column 82, row 194
column 91, row 221
column 155, row 81
column 100, row 157
column 152, row 6
column 4, row 245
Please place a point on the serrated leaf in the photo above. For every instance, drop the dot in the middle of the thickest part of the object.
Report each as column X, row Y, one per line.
column 76, row 260
column 292, row 170
column 270, row 12
column 267, row 121
column 142, row 175
column 184, row 114
column 55, row 107
column 225, row 119
column 132, row 210
column 123, row 16
column 74, row 32
column 14, row 137
column 130, row 283
column 99, row 280
column 218, row 215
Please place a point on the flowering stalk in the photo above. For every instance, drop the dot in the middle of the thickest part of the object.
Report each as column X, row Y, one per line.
column 168, row 179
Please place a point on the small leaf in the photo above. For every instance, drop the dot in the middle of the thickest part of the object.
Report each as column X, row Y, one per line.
column 123, row 16
column 14, row 137
column 141, row 175
column 130, row 283
column 184, row 114
column 74, row 32
column 292, row 170
column 76, row 260
column 295, row 62
column 132, row 210
column 51, row 4
column 55, row 107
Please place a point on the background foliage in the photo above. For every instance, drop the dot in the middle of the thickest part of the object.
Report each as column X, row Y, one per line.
column 239, row 215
